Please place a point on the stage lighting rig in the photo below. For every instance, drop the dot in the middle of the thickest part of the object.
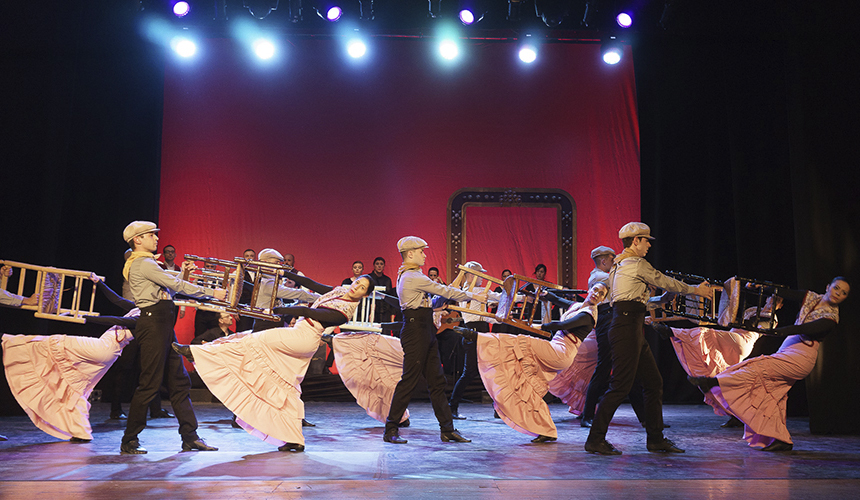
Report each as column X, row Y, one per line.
column 611, row 51
column 366, row 9
column 589, row 17
column 551, row 12
column 515, row 10
column 328, row 10
column 471, row 11
column 260, row 8
column 434, row 8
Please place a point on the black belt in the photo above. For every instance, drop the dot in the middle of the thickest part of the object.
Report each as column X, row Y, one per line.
column 629, row 306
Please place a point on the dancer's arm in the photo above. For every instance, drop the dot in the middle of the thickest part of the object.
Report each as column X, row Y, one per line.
column 326, row 317
column 124, row 304
column 814, row 330
column 579, row 325
column 308, row 283
column 123, row 321
column 558, row 301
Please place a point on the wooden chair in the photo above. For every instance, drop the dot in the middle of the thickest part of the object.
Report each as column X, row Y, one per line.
column 50, row 286
column 511, row 286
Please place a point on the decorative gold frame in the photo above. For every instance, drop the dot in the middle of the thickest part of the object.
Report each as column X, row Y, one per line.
column 515, row 197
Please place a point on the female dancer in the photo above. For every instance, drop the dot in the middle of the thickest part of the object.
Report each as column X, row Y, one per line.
column 52, row 376
column 756, row 390
column 257, row 375
column 517, row 368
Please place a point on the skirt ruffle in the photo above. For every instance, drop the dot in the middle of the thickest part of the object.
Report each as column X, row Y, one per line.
column 370, row 366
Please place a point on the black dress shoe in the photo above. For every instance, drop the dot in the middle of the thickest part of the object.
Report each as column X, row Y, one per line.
column 664, row 446
column 455, row 436
column 392, row 436
column 183, row 350
column 456, row 415
column 496, row 414
column 405, row 423
column 79, row 440
column 664, row 331
column 235, row 424
column 543, row 439
column 586, row 422
column 305, row 423
column 602, row 447
column 117, row 415
column 132, row 448
column 162, row 413
column 466, row 333
column 293, row 447
column 733, row 422
column 778, row 445
column 3, row 438
column 704, row 383
column 197, row 445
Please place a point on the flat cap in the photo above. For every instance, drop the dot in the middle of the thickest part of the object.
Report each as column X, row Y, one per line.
column 269, row 253
column 475, row 266
column 634, row 229
column 602, row 250
column 137, row 228
column 410, row 243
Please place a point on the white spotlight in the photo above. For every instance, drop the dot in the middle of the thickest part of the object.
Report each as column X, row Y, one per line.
column 264, row 49
column 612, row 55
column 183, row 46
column 356, row 48
column 528, row 54
column 448, row 49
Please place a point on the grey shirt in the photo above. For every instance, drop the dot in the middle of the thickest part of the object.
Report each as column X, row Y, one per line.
column 414, row 290
column 10, row 299
column 630, row 279
column 149, row 283
column 264, row 295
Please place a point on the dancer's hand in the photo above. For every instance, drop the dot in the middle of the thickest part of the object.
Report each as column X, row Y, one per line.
column 220, row 293
column 480, row 297
column 704, row 290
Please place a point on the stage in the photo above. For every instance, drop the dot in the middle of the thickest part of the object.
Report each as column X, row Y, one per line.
column 346, row 458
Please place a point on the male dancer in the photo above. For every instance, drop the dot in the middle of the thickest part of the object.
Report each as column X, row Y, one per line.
column 631, row 357
column 418, row 339
column 153, row 289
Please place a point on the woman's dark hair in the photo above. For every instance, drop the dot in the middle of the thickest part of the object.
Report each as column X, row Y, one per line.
column 507, row 271
column 840, row 278
column 539, row 267
column 371, row 283
column 433, row 269
column 358, row 262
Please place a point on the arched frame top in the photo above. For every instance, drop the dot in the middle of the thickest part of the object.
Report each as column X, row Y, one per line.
column 514, row 197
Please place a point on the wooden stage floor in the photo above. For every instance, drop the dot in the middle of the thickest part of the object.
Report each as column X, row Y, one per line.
column 346, row 458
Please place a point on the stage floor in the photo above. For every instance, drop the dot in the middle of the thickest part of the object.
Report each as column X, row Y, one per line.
column 346, row 458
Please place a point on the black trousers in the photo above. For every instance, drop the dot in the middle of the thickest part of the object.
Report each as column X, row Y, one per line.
column 420, row 357
column 159, row 363
column 600, row 379
column 470, row 363
column 631, row 360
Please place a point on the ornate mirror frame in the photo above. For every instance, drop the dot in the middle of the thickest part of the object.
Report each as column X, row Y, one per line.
column 515, row 197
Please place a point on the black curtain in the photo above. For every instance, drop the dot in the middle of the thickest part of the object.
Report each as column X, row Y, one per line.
column 748, row 131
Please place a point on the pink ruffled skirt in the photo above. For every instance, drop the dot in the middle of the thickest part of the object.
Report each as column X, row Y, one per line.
column 52, row 377
column 258, row 376
column 516, row 370
column 370, row 366
column 571, row 384
column 756, row 390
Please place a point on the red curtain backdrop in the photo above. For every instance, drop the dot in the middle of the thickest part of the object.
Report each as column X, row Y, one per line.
column 335, row 161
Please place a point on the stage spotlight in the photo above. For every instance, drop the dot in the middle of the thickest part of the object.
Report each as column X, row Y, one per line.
column 260, row 8
column 467, row 17
column 183, row 46
column 448, row 49
column 528, row 53
column 611, row 51
column 264, row 49
column 181, row 9
column 624, row 19
column 356, row 48
column 329, row 11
